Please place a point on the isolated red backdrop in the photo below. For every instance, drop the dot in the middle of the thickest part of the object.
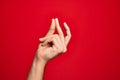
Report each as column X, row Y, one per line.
column 93, row 52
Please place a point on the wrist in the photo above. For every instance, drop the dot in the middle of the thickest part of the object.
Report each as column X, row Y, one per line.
column 40, row 60
column 37, row 69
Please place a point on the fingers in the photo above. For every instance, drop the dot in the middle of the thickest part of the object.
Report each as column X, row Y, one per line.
column 62, row 40
column 56, row 42
column 58, row 27
column 59, row 30
column 52, row 28
column 46, row 39
column 68, row 33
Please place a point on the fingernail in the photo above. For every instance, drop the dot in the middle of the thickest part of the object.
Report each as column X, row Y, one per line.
column 65, row 23
column 56, row 18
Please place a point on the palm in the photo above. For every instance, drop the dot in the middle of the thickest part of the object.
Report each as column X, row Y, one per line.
column 46, row 52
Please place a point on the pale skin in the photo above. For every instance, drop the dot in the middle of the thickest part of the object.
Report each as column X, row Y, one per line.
column 50, row 46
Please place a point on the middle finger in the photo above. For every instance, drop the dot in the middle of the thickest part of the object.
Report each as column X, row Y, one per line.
column 60, row 33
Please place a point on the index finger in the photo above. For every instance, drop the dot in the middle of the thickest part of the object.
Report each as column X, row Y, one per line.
column 58, row 27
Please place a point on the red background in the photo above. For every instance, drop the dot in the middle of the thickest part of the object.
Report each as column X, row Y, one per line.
column 93, row 52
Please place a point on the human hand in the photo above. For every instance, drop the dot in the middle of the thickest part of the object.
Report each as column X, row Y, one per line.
column 53, row 44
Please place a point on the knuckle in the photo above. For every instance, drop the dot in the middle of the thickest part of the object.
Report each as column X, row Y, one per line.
column 61, row 34
column 65, row 49
column 70, row 35
column 55, row 35
column 60, row 50
column 52, row 28
column 53, row 38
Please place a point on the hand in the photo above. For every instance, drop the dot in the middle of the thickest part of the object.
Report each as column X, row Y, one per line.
column 53, row 44
column 50, row 46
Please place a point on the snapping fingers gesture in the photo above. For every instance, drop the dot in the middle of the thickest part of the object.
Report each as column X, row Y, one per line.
column 53, row 44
